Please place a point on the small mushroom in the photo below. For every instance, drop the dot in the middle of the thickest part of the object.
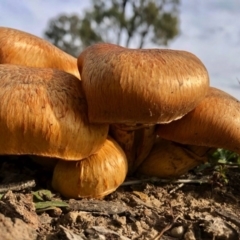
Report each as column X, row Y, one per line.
column 168, row 159
column 215, row 122
column 148, row 86
column 21, row 48
column 43, row 112
column 92, row 177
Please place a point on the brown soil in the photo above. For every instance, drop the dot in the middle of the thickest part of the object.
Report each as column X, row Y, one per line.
column 145, row 210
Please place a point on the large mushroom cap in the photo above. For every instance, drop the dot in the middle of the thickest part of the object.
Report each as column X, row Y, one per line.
column 93, row 177
column 140, row 86
column 44, row 112
column 21, row 48
column 168, row 159
column 215, row 122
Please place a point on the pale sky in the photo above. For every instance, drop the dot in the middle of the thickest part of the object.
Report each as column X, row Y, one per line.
column 209, row 28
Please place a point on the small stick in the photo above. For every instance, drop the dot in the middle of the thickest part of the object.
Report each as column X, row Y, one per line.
column 159, row 235
column 176, row 188
column 17, row 186
column 133, row 182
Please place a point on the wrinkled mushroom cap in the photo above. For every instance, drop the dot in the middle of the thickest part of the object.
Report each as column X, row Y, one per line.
column 140, row 85
column 44, row 112
column 169, row 160
column 215, row 122
column 21, row 48
column 93, row 177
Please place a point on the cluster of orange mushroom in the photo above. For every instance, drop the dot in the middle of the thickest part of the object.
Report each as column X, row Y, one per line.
column 113, row 111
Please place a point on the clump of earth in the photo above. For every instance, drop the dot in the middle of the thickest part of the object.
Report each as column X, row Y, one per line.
column 199, row 205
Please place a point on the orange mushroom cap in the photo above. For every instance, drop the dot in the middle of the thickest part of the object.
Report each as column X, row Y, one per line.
column 140, row 85
column 43, row 112
column 21, row 48
column 215, row 122
column 93, row 177
column 169, row 159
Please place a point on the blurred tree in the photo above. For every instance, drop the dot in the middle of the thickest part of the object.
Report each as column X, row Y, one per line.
column 130, row 23
column 65, row 32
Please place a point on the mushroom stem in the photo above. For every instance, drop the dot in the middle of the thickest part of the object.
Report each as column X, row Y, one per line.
column 136, row 141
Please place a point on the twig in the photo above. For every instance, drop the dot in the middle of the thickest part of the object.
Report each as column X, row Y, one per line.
column 17, row 186
column 176, row 188
column 159, row 235
column 158, row 180
column 169, row 226
column 229, row 165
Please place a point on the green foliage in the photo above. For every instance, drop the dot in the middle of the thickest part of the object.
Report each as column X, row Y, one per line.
column 44, row 201
column 125, row 22
column 223, row 159
column 50, row 205
column 42, row 195
column 222, row 156
column 219, row 163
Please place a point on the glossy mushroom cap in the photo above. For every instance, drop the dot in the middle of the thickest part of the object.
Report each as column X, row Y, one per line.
column 44, row 112
column 169, row 160
column 21, row 48
column 140, row 85
column 93, row 177
column 215, row 122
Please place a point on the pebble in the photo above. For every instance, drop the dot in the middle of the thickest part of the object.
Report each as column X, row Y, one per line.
column 177, row 232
